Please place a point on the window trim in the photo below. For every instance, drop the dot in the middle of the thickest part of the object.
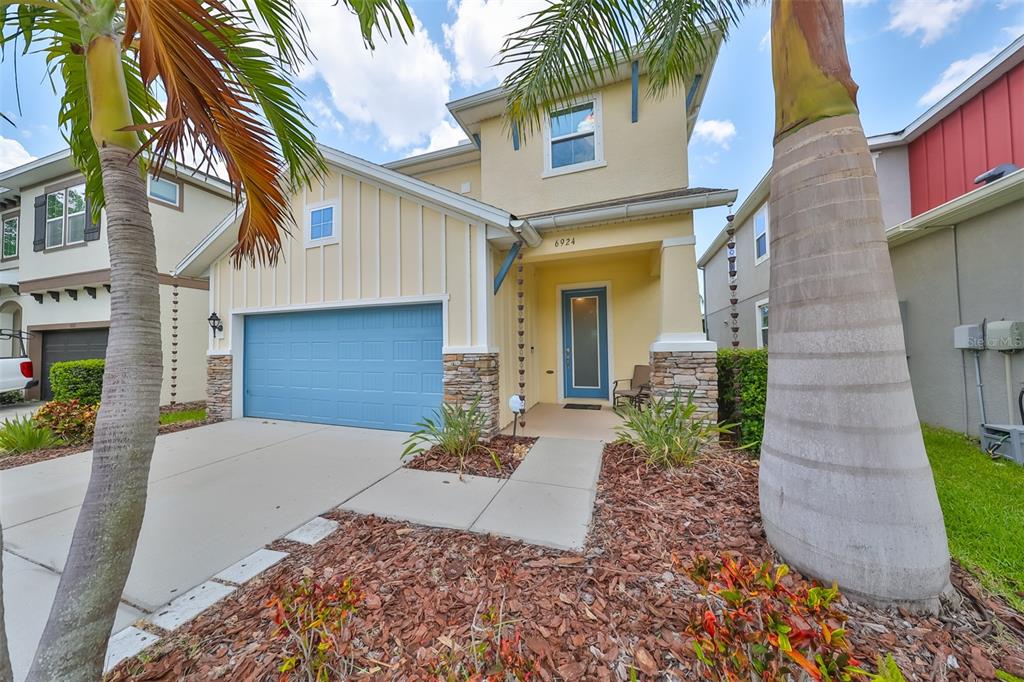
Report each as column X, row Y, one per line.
column 179, row 205
column 763, row 210
column 757, row 321
column 307, row 228
column 64, row 243
column 598, row 161
column 17, row 236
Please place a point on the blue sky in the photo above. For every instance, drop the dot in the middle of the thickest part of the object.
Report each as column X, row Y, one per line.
column 905, row 55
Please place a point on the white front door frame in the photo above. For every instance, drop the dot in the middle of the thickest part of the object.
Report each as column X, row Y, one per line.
column 560, row 378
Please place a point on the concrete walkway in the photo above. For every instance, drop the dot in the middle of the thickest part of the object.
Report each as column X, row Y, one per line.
column 549, row 499
column 548, row 419
column 216, row 494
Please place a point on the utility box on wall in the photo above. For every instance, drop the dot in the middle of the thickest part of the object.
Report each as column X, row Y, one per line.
column 1005, row 335
column 968, row 337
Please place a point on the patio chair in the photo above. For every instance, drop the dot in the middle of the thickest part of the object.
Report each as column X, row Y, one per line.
column 639, row 387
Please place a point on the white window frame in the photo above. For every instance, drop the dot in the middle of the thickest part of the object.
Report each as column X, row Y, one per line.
column 757, row 321
column 598, row 161
column 64, row 220
column 161, row 200
column 307, row 228
column 767, row 233
column 17, row 235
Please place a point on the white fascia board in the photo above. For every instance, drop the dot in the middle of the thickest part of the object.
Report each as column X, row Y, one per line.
column 634, row 210
column 197, row 261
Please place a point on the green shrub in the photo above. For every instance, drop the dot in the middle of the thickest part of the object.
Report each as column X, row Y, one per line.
column 454, row 430
column 12, row 397
column 744, row 370
column 71, row 421
column 667, row 431
column 24, row 435
column 80, row 380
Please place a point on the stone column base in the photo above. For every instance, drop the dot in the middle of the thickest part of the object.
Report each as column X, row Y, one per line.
column 681, row 372
column 468, row 376
column 218, row 387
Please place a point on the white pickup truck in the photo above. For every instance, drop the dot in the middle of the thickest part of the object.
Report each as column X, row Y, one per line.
column 16, row 367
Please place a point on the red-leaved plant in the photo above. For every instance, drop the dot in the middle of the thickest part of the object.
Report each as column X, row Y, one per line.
column 752, row 623
column 311, row 616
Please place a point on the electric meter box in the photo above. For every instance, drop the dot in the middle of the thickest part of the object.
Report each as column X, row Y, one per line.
column 968, row 337
column 1005, row 335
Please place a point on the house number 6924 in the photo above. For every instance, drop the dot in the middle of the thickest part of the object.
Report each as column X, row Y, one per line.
column 565, row 241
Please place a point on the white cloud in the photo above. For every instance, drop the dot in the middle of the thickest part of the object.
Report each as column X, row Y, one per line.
column 12, row 154
column 932, row 18
column 714, row 131
column 479, row 31
column 323, row 115
column 955, row 74
column 444, row 135
column 858, row 3
column 400, row 88
column 766, row 41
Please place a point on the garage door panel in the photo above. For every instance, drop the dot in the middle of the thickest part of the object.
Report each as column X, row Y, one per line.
column 377, row 366
column 71, row 344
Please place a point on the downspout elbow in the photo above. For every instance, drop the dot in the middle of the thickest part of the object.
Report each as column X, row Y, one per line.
column 527, row 232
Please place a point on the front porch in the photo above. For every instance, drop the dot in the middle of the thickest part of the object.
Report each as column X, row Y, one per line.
column 558, row 421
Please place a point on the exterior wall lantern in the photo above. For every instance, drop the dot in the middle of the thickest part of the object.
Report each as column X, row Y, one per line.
column 215, row 324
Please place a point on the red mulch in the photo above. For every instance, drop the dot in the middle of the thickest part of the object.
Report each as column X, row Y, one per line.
column 586, row 617
column 510, row 452
column 35, row 456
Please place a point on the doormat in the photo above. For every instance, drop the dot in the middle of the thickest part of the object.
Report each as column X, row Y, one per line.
column 580, row 406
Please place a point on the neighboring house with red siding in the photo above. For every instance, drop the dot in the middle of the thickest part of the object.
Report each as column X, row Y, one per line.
column 957, row 246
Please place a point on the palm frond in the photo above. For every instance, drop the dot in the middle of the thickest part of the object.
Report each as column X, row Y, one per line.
column 384, row 18
column 286, row 26
column 571, row 46
column 217, row 82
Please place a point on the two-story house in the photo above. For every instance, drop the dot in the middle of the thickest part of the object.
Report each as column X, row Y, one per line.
column 548, row 264
column 956, row 244
column 55, row 269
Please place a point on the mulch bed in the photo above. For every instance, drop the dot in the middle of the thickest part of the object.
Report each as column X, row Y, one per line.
column 582, row 617
column 510, row 452
column 25, row 458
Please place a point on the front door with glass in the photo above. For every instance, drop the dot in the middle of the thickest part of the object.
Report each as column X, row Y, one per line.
column 585, row 342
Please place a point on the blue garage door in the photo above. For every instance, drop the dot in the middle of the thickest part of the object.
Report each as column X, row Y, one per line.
column 377, row 367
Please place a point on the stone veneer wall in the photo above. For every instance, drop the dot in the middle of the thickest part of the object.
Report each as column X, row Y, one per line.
column 468, row 376
column 218, row 386
column 685, row 371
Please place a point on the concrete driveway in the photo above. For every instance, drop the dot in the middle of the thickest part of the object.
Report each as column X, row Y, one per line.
column 216, row 494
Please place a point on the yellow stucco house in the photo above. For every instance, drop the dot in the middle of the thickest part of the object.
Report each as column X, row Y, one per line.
column 405, row 285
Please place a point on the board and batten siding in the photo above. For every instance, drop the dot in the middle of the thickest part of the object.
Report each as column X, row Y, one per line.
column 391, row 248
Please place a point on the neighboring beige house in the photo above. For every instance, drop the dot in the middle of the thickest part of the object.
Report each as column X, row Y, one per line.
column 55, row 269
column 956, row 245
column 401, row 290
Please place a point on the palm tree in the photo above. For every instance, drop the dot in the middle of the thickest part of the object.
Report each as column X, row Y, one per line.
column 846, row 490
column 146, row 81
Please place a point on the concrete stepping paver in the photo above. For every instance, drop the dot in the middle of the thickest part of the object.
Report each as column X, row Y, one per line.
column 427, row 497
column 313, row 531
column 251, row 566
column 549, row 515
column 189, row 605
column 125, row 644
column 562, row 461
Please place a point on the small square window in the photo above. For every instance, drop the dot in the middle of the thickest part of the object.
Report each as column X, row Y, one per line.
column 165, row 191
column 321, row 223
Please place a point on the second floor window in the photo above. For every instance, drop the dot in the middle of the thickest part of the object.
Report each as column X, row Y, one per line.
column 10, row 238
column 320, row 227
column 574, row 138
column 165, row 191
column 762, row 323
column 761, row 234
column 65, row 216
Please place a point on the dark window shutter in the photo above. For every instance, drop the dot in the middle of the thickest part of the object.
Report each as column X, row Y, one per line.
column 92, row 231
column 39, row 234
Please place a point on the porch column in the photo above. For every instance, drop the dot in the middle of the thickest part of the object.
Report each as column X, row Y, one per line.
column 682, row 357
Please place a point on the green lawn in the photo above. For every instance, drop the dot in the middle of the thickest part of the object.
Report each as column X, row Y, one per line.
column 983, row 502
column 183, row 416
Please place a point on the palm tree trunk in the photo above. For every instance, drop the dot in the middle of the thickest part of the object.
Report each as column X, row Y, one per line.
column 5, row 656
column 103, row 546
column 846, row 490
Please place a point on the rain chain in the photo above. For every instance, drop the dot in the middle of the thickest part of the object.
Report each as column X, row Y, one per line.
column 521, row 330
column 174, row 344
column 733, row 311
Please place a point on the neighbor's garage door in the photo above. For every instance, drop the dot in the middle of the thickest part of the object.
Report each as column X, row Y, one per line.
column 71, row 344
column 377, row 367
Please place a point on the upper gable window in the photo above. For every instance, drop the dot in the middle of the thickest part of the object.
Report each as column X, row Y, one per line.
column 573, row 138
column 164, row 191
column 321, row 223
column 761, row 234
column 10, row 238
column 65, row 217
